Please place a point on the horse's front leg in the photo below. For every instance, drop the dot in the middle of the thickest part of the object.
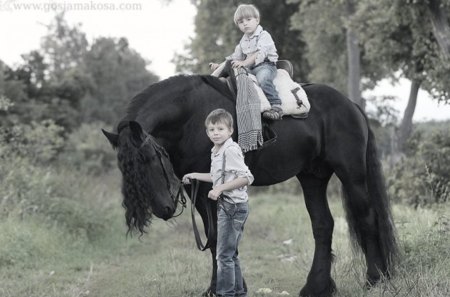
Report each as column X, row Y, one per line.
column 211, row 290
column 319, row 282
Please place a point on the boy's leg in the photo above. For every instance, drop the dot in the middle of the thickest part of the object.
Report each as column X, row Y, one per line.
column 239, row 281
column 226, row 248
column 239, row 219
column 265, row 74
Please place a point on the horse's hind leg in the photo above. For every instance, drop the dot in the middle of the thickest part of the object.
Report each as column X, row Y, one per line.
column 362, row 220
column 319, row 282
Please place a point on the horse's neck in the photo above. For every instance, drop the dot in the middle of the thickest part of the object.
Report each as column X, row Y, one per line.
column 167, row 110
column 156, row 115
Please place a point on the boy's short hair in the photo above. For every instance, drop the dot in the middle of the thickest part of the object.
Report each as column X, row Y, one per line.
column 245, row 11
column 219, row 115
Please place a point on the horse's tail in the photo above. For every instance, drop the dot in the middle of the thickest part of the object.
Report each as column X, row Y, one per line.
column 379, row 199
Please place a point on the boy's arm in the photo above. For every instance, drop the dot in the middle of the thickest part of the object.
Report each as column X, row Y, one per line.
column 265, row 46
column 233, row 184
column 250, row 61
column 228, row 186
column 236, row 55
column 205, row 177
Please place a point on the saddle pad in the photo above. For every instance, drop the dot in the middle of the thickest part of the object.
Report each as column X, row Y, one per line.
column 294, row 100
column 288, row 91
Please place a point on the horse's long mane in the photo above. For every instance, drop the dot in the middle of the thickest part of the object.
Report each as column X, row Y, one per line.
column 174, row 87
column 135, row 187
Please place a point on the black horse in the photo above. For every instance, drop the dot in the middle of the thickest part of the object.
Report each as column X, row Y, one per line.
column 162, row 137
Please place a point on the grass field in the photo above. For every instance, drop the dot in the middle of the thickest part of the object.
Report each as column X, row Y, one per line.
column 37, row 260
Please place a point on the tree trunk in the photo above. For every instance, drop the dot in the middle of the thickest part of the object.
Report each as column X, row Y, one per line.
column 441, row 28
column 405, row 129
column 353, row 60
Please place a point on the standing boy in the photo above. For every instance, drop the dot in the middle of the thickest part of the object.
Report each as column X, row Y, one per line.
column 230, row 177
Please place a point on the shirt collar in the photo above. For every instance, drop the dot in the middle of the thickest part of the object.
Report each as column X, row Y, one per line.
column 258, row 31
column 224, row 146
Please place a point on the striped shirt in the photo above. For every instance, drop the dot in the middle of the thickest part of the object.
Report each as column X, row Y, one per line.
column 260, row 41
column 234, row 167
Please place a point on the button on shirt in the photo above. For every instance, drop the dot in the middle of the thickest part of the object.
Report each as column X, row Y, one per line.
column 260, row 41
column 234, row 167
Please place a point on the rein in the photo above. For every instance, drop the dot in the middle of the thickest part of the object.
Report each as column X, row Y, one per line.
column 194, row 193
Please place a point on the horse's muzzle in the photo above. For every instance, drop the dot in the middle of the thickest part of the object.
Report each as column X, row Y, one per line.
column 167, row 213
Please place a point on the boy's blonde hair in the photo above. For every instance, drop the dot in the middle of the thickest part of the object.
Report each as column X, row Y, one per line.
column 245, row 11
column 219, row 116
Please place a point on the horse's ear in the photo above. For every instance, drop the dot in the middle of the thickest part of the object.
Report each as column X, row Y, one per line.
column 136, row 130
column 112, row 138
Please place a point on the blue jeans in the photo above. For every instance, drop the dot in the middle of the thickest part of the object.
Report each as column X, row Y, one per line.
column 265, row 74
column 230, row 226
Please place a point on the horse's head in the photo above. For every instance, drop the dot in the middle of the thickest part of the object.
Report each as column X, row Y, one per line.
column 150, row 186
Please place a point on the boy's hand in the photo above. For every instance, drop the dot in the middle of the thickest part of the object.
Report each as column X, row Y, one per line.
column 213, row 66
column 245, row 63
column 237, row 64
column 187, row 178
column 214, row 194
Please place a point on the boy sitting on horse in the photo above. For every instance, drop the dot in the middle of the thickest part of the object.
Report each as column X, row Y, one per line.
column 257, row 52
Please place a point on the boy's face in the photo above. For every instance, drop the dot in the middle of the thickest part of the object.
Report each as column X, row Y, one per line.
column 218, row 133
column 248, row 25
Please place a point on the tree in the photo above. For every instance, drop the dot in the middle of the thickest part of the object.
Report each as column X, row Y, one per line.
column 63, row 48
column 331, row 31
column 68, row 81
column 52, row 77
column 217, row 35
column 117, row 73
column 399, row 35
column 441, row 28
column 353, row 56
column 11, row 87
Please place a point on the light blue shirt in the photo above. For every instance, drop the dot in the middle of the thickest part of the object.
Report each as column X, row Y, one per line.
column 234, row 167
column 260, row 41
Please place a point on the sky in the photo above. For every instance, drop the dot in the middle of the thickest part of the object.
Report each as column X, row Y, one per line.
column 156, row 29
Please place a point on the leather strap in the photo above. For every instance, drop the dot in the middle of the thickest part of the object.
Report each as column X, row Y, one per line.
column 195, row 184
column 194, row 193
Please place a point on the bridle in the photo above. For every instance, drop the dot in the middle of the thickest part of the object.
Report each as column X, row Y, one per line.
column 179, row 197
column 162, row 154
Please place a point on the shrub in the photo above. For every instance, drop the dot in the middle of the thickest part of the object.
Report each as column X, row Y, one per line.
column 31, row 183
column 423, row 176
column 39, row 141
column 87, row 150
column 59, row 197
column 5, row 103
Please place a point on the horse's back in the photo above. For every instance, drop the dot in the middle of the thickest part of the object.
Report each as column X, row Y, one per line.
column 333, row 126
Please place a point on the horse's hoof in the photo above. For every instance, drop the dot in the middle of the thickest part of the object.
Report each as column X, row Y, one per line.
column 208, row 293
column 320, row 291
column 371, row 282
column 375, row 278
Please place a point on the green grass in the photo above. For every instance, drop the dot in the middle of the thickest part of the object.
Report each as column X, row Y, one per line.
column 276, row 253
